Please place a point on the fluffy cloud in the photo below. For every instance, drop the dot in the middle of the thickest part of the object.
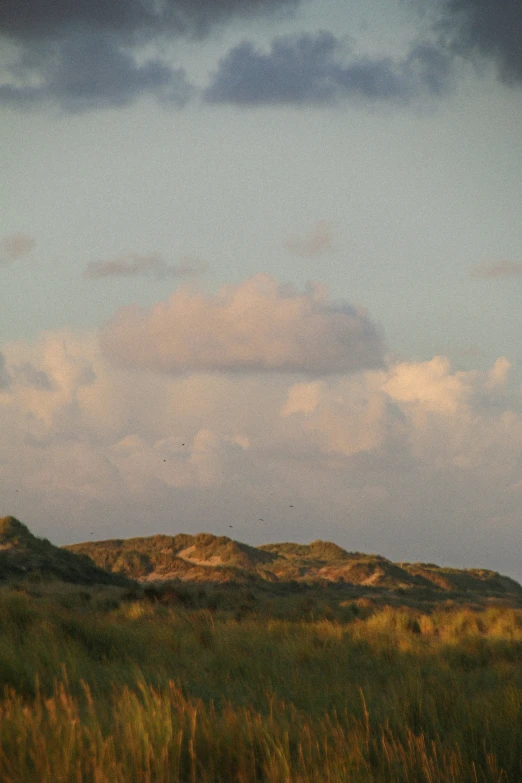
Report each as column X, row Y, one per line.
column 314, row 69
column 46, row 380
column 303, row 398
column 15, row 247
column 414, row 461
column 417, row 422
column 430, row 384
column 498, row 375
column 198, row 462
column 257, row 325
column 317, row 242
column 348, row 418
column 137, row 265
column 95, row 440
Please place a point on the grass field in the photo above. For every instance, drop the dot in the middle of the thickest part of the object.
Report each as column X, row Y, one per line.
column 189, row 685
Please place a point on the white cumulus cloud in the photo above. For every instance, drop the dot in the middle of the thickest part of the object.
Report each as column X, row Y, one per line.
column 417, row 460
column 257, row 325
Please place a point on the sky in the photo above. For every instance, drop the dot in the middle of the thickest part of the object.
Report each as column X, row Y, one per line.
column 260, row 272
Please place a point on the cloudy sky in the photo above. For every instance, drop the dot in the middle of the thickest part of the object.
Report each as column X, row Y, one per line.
column 261, row 266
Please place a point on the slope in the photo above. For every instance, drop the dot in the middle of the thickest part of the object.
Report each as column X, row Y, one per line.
column 24, row 555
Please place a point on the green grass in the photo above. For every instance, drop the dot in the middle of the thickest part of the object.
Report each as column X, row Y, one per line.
column 215, row 685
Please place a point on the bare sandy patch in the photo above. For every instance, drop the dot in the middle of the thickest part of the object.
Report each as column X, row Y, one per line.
column 186, row 554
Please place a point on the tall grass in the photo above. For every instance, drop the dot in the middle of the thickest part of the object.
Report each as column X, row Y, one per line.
column 160, row 736
column 102, row 689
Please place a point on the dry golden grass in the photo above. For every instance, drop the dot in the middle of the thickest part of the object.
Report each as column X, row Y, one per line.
column 214, row 686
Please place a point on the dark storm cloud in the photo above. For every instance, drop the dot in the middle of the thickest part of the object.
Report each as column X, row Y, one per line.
column 490, row 28
column 18, row 97
column 78, row 54
column 312, row 69
column 134, row 19
column 90, row 70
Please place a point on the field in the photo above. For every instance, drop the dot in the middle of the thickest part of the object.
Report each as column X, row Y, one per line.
column 208, row 684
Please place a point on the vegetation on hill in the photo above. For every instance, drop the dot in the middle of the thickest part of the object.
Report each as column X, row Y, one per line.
column 162, row 557
column 219, row 559
column 22, row 554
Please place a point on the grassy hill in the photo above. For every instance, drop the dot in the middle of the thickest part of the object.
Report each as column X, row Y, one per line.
column 205, row 558
column 232, row 663
column 219, row 559
column 24, row 555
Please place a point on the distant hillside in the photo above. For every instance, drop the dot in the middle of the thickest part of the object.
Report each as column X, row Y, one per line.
column 219, row 559
column 203, row 557
column 24, row 555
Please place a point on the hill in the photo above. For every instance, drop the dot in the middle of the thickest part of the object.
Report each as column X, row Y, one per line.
column 205, row 558
column 202, row 557
column 219, row 559
column 24, row 555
